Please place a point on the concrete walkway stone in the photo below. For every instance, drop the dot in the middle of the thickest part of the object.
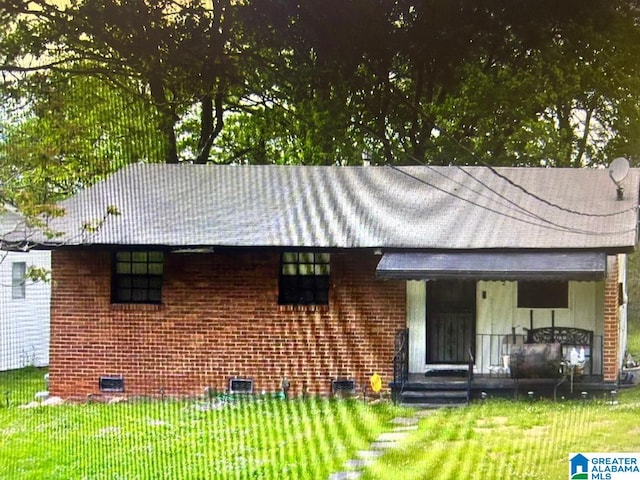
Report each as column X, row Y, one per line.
column 345, row 475
column 402, row 427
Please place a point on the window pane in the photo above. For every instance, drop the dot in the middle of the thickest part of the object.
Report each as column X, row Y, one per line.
column 124, row 294
column 156, row 257
column 289, row 257
column 322, row 297
column 139, row 282
column 304, row 278
column 139, row 295
column 123, row 256
column 138, row 277
column 322, row 270
column 323, row 257
column 306, row 269
column 139, row 268
column 289, row 269
column 18, row 281
column 540, row 294
column 139, row 256
column 18, row 271
column 307, row 283
column 123, row 268
column 307, row 297
column 155, row 268
column 155, row 295
column 306, row 257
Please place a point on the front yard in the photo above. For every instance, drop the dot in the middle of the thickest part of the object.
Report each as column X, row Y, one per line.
column 261, row 438
column 271, row 438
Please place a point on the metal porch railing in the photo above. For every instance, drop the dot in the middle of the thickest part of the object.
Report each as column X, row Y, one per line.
column 400, row 362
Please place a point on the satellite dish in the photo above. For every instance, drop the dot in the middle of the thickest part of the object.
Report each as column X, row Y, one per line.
column 618, row 171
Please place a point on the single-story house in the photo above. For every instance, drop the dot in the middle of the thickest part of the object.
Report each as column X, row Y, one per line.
column 24, row 304
column 173, row 279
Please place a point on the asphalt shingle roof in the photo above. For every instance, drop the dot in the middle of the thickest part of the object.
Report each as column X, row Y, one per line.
column 355, row 207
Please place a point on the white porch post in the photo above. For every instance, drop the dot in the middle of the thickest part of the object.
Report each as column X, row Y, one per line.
column 417, row 324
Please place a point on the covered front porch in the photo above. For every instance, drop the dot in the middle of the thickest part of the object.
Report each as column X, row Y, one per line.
column 468, row 313
column 456, row 384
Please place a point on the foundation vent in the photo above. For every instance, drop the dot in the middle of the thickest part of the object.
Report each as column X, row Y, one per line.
column 111, row 384
column 241, row 385
column 343, row 386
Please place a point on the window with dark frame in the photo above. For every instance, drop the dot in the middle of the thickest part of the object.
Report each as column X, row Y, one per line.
column 304, row 278
column 18, row 280
column 543, row 294
column 137, row 277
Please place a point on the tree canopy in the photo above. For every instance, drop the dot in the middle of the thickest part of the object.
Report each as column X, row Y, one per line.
column 90, row 85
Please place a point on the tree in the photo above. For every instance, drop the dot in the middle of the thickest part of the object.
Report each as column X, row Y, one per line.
column 175, row 54
column 505, row 82
column 71, row 132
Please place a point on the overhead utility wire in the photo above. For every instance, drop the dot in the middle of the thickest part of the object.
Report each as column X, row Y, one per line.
column 493, row 170
column 544, row 223
column 550, row 225
column 541, row 221
column 508, row 202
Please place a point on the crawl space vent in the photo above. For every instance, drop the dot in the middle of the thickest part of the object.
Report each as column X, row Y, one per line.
column 343, row 386
column 111, row 384
column 240, row 385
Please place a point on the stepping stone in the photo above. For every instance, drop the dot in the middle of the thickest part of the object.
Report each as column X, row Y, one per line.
column 405, row 421
column 408, row 428
column 392, row 436
column 345, row 475
column 359, row 462
column 369, row 454
column 383, row 445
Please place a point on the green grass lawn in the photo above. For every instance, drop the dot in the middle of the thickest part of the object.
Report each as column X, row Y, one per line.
column 260, row 438
column 269, row 438
column 501, row 439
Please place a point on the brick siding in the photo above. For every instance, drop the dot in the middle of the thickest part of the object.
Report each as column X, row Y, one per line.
column 611, row 345
column 219, row 319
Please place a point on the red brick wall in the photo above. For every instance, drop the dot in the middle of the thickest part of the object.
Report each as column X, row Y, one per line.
column 611, row 323
column 219, row 319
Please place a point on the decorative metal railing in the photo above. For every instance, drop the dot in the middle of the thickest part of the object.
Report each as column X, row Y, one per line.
column 472, row 362
column 400, row 361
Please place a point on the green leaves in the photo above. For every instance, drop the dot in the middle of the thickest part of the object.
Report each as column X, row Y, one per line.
column 99, row 84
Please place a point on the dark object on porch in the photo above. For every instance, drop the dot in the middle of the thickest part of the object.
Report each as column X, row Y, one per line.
column 343, row 386
column 569, row 338
column 536, row 360
column 556, row 354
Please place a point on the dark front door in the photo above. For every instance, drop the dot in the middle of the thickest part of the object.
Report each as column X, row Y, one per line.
column 451, row 320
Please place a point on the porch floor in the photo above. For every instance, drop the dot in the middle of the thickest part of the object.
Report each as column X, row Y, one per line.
column 501, row 385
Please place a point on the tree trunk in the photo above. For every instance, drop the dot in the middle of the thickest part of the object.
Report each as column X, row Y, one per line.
column 167, row 119
column 209, row 129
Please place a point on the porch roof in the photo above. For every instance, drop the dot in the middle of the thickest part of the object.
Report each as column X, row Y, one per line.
column 579, row 265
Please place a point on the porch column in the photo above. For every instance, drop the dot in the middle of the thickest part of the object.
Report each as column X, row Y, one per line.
column 611, row 343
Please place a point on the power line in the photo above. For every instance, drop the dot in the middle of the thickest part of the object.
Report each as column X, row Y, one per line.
column 493, row 170
column 545, row 223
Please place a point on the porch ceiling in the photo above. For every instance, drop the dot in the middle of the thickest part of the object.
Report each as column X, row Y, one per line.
column 583, row 265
